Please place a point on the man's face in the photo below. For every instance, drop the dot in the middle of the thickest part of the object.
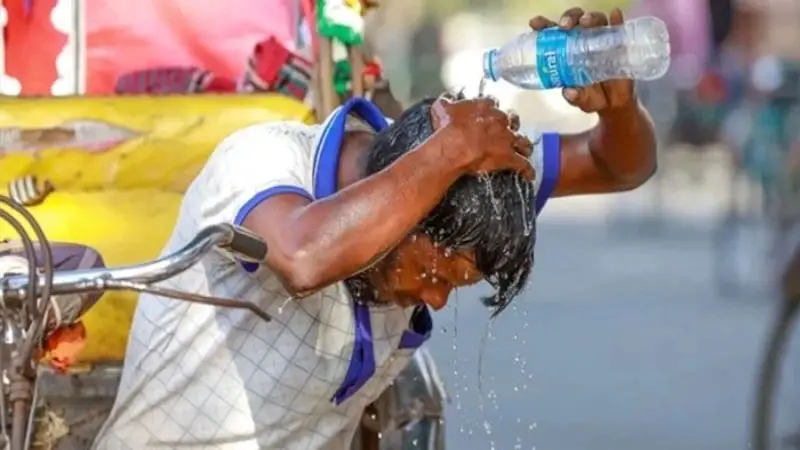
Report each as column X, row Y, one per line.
column 419, row 270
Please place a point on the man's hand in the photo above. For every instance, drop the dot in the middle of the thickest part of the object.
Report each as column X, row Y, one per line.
column 601, row 97
column 620, row 153
column 478, row 133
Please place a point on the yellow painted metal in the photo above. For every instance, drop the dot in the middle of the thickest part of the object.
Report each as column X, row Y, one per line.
column 122, row 201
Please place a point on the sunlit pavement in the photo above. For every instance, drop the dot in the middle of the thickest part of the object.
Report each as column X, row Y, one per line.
column 620, row 343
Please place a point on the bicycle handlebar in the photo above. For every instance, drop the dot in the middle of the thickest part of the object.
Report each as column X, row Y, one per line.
column 235, row 239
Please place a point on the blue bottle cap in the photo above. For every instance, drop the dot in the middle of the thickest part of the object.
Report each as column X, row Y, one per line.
column 488, row 64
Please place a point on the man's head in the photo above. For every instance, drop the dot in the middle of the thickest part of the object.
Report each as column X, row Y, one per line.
column 484, row 228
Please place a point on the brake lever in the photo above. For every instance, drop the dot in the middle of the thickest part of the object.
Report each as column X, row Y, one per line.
column 246, row 244
column 185, row 296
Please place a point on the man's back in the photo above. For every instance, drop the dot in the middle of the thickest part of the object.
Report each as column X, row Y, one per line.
column 197, row 376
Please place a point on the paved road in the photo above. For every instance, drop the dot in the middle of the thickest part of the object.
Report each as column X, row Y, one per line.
column 621, row 343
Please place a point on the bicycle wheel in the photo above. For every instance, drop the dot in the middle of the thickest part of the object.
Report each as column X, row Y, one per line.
column 765, row 407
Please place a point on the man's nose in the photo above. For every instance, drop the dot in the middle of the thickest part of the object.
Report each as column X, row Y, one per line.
column 436, row 296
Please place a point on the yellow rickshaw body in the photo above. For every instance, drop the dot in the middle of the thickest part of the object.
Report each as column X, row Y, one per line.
column 120, row 197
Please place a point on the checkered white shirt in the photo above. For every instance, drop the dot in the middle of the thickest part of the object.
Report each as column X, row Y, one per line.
column 201, row 377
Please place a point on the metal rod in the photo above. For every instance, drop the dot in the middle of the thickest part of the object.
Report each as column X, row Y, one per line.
column 194, row 298
column 328, row 95
column 356, row 57
column 30, row 254
column 77, row 281
column 20, row 373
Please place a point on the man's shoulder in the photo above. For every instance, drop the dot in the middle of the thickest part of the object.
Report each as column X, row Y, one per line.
column 293, row 131
column 267, row 142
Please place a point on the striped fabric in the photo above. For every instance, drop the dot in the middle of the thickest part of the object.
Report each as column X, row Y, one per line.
column 273, row 68
column 27, row 191
column 270, row 68
column 165, row 80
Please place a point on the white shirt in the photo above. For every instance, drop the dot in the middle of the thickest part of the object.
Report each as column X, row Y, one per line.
column 200, row 377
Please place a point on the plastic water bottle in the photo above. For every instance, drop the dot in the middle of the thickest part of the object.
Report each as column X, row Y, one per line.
column 556, row 58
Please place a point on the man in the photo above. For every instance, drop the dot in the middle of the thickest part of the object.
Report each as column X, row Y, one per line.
column 365, row 231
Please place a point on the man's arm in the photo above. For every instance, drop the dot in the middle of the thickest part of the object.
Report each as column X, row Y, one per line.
column 312, row 244
column 619, row 154
column 315, row 243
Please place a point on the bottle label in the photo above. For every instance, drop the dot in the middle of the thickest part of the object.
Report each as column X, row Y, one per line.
column 551, row 59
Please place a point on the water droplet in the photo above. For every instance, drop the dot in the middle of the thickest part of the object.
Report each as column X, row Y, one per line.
column 285, row 302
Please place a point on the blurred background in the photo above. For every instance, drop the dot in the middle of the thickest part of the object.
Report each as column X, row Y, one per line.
column 643, row 326
column 644, row 323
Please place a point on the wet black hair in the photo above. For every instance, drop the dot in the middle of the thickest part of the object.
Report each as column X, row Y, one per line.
column 492, row 215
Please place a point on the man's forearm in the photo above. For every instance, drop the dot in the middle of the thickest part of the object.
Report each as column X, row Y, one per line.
column 624, row 145
column 332, row 239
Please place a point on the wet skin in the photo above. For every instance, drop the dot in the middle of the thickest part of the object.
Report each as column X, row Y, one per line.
column 368, row 226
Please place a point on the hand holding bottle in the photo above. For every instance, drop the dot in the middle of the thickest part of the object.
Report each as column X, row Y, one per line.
column 585, row 49
column 600, row 96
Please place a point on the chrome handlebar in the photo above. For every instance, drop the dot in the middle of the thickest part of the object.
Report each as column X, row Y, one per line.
column 14, row 289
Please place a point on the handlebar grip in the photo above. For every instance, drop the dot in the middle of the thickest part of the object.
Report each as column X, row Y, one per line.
column 248, row 244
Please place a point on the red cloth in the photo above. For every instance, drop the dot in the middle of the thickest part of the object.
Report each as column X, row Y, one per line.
column 62, row 347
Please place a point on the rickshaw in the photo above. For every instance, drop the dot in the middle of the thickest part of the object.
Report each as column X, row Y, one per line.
column 108, row 172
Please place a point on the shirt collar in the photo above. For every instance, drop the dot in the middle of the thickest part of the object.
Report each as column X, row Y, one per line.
column 328, row 148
